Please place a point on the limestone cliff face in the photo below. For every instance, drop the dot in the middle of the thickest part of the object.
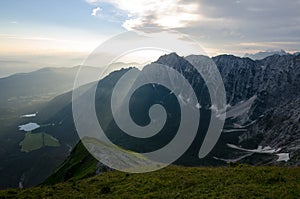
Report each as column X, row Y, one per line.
column 274, row 116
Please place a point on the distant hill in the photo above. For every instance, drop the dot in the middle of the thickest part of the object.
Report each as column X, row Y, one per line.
column 21, row 89
column 28, row 93
column 6, row 69
column 264, row 54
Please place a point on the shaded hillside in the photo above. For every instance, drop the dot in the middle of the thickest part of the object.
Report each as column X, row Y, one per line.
column 80, row 164
column 25, row 88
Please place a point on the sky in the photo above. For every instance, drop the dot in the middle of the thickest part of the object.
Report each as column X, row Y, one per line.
column 40, row 33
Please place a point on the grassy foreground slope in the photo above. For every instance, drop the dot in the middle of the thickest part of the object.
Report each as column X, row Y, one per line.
column 80, row 164
column 176, row 182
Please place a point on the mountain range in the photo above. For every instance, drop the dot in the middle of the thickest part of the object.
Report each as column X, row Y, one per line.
column 264, row 54
column 261, row 127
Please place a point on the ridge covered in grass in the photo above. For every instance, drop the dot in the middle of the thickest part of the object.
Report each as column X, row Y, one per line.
column 176, row 182
column 80, row 164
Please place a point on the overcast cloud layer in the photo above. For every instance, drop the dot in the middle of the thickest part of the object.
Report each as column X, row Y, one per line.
column 230, row 24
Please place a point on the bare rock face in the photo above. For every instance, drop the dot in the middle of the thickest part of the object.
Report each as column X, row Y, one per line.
column 275, row 114
column 272, row 85
column 274, row 79
column 279, row 128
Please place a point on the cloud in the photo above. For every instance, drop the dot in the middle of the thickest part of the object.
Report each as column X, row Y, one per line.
column 96, row 11
column 221, row 24
column 153, row 13
column 264, row 23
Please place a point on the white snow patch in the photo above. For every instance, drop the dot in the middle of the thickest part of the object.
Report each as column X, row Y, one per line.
column 53, row 138
column 265, row 150
column 29, row 127
column 29, row 115
column 240, row 108
column 283, row 157
column 260, row 149
column 239, row 126
column 214, row 108
column 70, row 148
column 233, row 160
column 181, row 99
column 188, row 100
column 235, row 125
column 233, row 130
column 198, row 106
column 220, row 113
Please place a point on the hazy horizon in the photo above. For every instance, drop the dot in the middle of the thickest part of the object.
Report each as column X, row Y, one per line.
column 15, row 65
column 37, row 34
